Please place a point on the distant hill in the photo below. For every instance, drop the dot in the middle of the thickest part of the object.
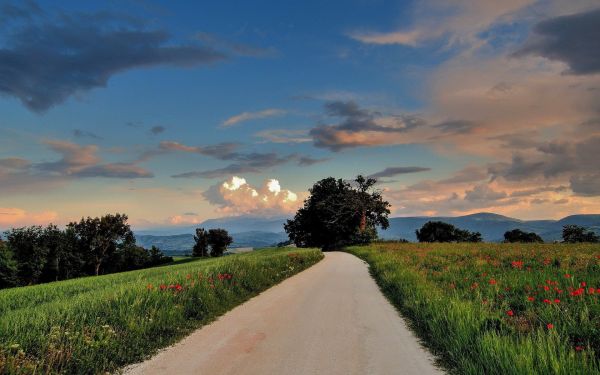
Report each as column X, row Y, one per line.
column 251, row 231
column 183, row 243
column 491, row 226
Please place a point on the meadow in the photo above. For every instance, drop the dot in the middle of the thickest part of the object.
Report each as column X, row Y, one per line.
column 99, row 324
column 497, row 308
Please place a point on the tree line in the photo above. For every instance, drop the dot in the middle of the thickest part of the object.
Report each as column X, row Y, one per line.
column 340, row 213
column 91, row 246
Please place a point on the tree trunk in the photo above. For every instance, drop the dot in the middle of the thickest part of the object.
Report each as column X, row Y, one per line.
column 363, row 221
column 98, row 268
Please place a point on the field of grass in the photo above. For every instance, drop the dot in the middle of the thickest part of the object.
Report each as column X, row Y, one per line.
column 497, row 308
column 99, row 324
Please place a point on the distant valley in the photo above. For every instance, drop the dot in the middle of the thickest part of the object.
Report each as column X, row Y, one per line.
column 250, row 231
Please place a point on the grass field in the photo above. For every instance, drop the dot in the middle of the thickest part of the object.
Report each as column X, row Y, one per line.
column 99, row 324
column 497, row 308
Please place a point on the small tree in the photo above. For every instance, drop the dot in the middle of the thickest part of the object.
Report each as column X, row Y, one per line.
column 576, row 233
column 517, row 235
column 218, row 239
column 201, row 246
column 438, row 231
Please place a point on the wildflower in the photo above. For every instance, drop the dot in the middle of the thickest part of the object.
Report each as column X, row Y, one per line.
column 149, row 287
column 493, row 282
column 556, row 300
column 546, row 288
column 583, row 283
column 579, row 348
column 549, row 325
column 517, row 264
column 510, row 313
column 591, row 290
column 547, row 301
column 178, row 287
column 163, row 287
column 530, row 299
column 567, row 275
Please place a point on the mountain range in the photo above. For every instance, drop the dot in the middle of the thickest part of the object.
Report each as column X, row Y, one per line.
column 253, row 231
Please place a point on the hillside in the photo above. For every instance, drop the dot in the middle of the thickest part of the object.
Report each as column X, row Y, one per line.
column 250, row 231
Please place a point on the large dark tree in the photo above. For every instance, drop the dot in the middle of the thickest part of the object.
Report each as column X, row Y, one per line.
column 438, row 231
column 576, row 233
column 218, row 239
column 338, row 213
column 517, row 235
column 29, row 251
column 201, row 243
column 101, row 236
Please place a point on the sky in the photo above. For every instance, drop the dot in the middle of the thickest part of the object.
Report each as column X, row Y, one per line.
column 177, row 112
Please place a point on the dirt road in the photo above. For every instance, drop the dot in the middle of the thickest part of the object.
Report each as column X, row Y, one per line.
column 329, row 319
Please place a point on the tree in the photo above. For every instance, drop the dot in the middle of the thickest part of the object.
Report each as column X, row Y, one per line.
column 576, row 233
column 29, row 253
column 338, row 213
column 218, row 239
column 8, row 267
column 201, row 245
column 100, row 237
column 517, row 235
column 157, row 257
column 438, row 231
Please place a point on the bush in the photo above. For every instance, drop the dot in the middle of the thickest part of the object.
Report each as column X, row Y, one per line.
column 438, row 231
column 575, row 233
column 517, row 235
column 218, row 239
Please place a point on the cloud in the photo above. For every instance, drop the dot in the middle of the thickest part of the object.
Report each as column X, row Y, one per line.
column 79, row 133
column 236, row 48
column 81, row 52
column 587, row 185
column 83, row 161
column 394, row 171
column 11, row 217
column 246, row 163
column 246, row 116
column 157, row 129
column 572, row 39
column 407, row 38
column 14, row 163
column 236, row 196
column 284, row 136
column 221, row 151
column 360, row 127
column 307, row 160
column 484, row 193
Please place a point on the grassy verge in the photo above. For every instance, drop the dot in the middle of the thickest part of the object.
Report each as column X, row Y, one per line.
column 98, row 324
column 497, row 308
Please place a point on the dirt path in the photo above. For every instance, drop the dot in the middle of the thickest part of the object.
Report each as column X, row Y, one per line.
column 329, row 319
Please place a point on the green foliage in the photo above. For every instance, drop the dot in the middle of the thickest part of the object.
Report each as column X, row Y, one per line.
column 517, row 235
column 576, row 233
column 218, row 239
column 438, row 231
column 100, row 236
column 35, row 255
column 201, row 243
column 497, row 308
column 96, row 325
column 8, row 267
column 337, row 214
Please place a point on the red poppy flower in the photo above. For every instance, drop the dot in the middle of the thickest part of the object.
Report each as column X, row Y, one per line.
column 493, row 282
column 531, row 299
column 510, row 313
column 549, row 325
column 579, row 348
column 547, row 301
column 583, row 283
column 557, row 301
column 567, row 275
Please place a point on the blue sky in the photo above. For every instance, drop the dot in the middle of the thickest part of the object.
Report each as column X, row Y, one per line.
column 149, row 107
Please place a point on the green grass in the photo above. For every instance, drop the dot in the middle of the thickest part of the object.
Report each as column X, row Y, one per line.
column 497, row 308
column 99, row 324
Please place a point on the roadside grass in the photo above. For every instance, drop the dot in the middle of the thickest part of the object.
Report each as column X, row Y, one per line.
column 99, row 324
column 497, row 308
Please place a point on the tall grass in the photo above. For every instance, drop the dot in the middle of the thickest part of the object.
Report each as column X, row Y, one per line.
column 497, row 308
column 98, row 324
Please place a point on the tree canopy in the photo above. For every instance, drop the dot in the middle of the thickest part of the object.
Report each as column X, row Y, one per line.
column 339, row 213
column 517, row 235
column 438, row 231
column 576, row 233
